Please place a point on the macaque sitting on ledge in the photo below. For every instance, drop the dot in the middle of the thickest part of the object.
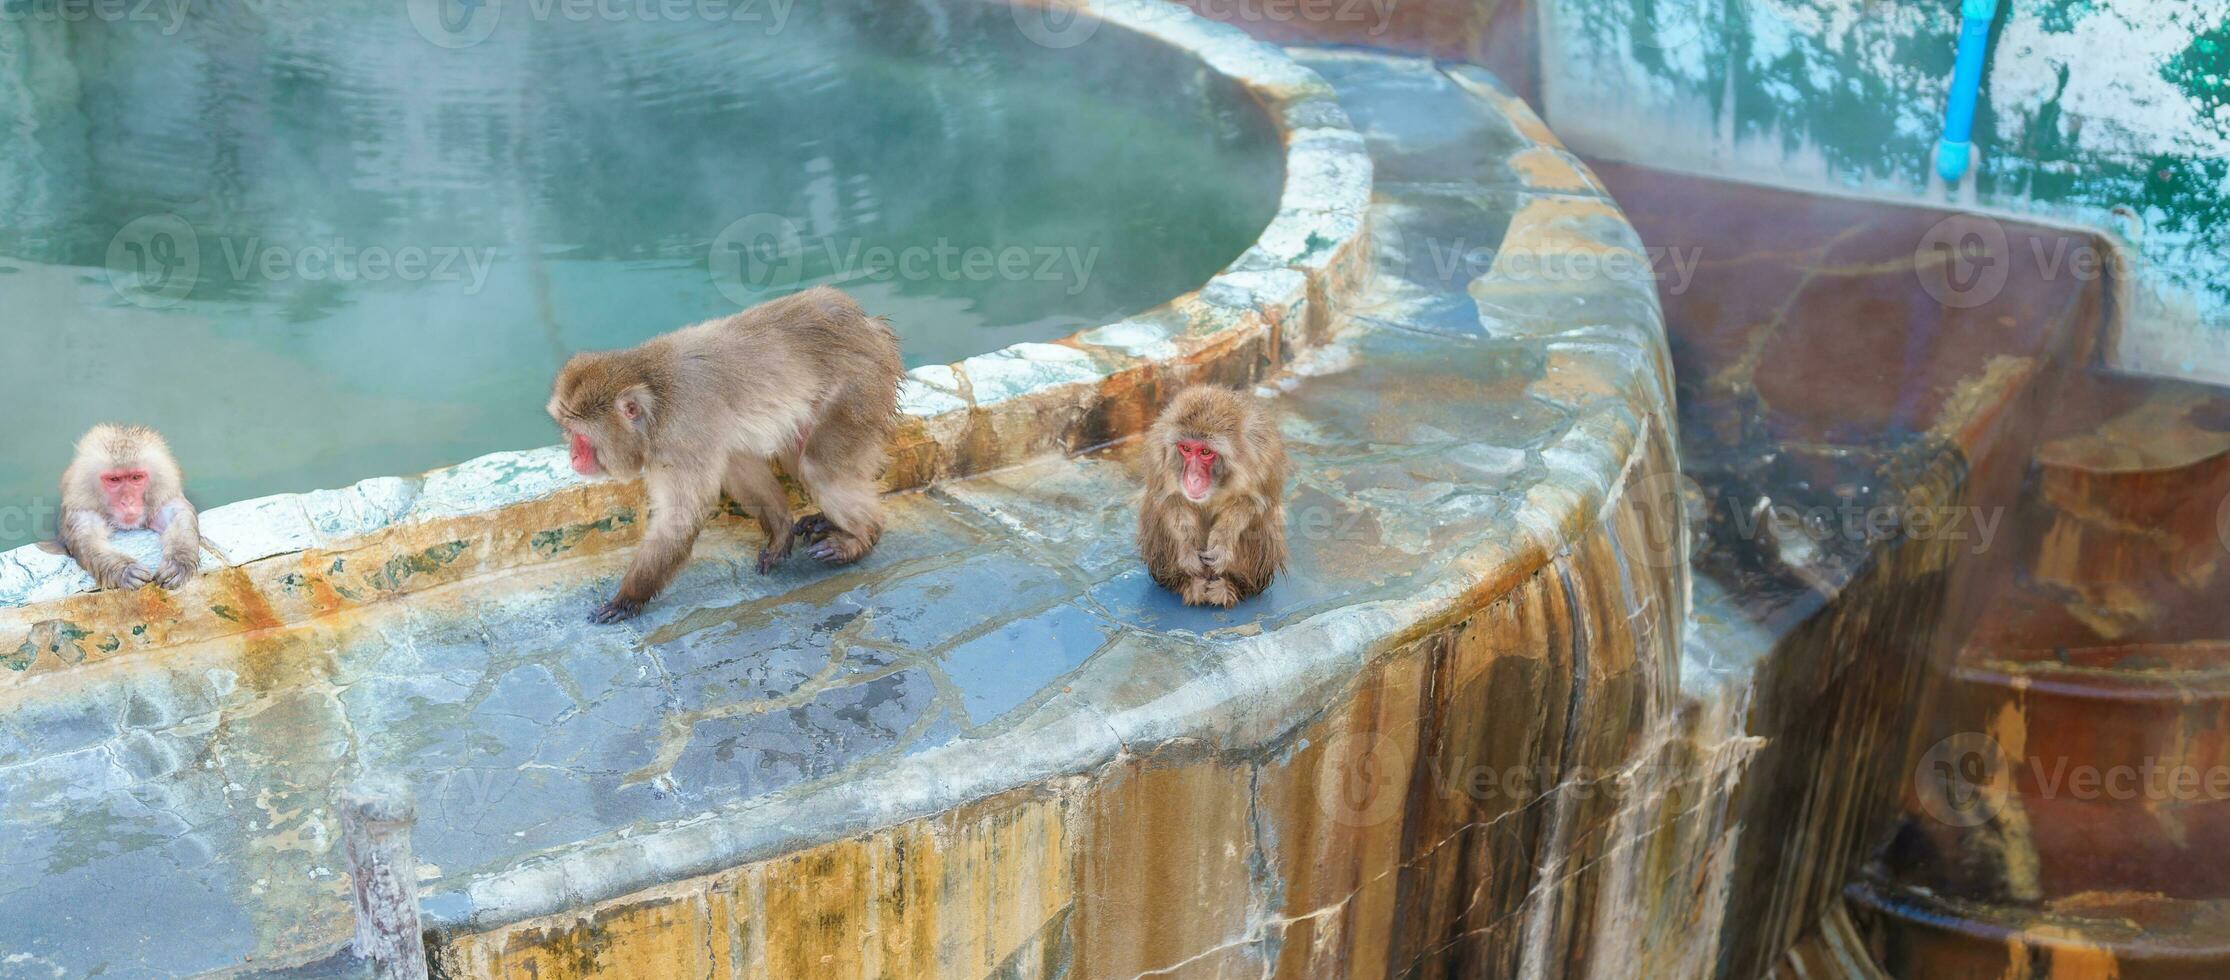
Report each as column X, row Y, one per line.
column 124, row 478
column 1211, row 523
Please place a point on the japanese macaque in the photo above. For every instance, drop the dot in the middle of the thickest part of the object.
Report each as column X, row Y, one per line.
column 124, row 478
column 1211, row 524
column 807, row 380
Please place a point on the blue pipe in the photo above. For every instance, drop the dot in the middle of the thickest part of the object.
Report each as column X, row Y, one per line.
column 1957, row 146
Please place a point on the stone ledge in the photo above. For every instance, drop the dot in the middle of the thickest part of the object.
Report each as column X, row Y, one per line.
column 1580, row 494
column 320, row 550
column 1493, row 541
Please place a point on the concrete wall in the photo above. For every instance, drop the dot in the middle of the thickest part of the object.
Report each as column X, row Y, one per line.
column 1514, row 793
column 2113, row 115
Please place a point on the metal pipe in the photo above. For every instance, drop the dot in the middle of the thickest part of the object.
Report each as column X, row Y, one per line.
column 1957, row 146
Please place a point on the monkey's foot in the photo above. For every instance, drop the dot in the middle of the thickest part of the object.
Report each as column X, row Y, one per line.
column 615, row 611
column 812, row 527
column 1220, row 593
column 841, row 547
column 1209, row 592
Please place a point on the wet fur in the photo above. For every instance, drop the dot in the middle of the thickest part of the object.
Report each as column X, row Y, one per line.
column 1228, row 547
column 87, row 523
column 808, row 380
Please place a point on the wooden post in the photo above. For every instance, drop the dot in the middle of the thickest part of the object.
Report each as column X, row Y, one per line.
column 376, row 815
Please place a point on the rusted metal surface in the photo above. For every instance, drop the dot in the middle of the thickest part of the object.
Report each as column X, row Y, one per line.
column 2071, row 796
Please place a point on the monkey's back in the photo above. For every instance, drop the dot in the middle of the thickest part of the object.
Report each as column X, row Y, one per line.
column 811, row 362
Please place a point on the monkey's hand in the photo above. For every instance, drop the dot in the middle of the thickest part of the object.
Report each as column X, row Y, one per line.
column 615, row 611
column 175, row 572
column 1189, row 563
column 123, row 573
column 772, row 553
column 768, row 558
column 1214, row 558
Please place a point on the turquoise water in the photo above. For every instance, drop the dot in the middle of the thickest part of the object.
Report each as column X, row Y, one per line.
column 317, row 243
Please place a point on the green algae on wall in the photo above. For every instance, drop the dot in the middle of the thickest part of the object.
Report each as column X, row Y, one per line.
column 2110, row 115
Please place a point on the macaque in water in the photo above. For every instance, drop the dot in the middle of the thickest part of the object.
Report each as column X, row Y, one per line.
column 808, row 380
column 123, row 478
column 1211, row 524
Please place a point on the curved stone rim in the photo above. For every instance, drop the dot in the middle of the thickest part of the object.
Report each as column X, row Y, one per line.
column 1205, row 693
column 1237, row 694
column 1096, row 386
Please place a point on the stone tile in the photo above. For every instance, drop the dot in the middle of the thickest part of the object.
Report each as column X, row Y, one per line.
column 926, row 611
column 751, row 754
column 1025, row 368
column 337, row 515
column 493, row 481
column 998, row 671
column 1420, row 125
column 1078, row 512
column 772, row 653
column 259, row 528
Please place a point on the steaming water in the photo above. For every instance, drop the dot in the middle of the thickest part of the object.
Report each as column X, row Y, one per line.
column 313, row 245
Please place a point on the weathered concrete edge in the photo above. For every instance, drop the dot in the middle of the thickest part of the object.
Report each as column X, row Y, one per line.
column 1243, row 697
column 982, row 413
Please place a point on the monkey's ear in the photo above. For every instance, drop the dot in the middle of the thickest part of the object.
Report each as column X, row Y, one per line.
column 635, row 405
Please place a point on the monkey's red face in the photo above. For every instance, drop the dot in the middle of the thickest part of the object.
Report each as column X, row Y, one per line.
column 1199, row 478
column 606, row 434
column 584, row 454
column 124, row 490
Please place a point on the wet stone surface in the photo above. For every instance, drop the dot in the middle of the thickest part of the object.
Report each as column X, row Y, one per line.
column 1431, row 439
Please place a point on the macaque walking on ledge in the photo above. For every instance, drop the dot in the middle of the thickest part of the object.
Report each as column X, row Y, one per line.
column 124, row 478
column 1211, row 524
column 807, row 379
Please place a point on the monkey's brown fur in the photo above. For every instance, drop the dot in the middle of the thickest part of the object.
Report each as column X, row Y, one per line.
column 808, row 380
column 1228, row 546
column 87, row 519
